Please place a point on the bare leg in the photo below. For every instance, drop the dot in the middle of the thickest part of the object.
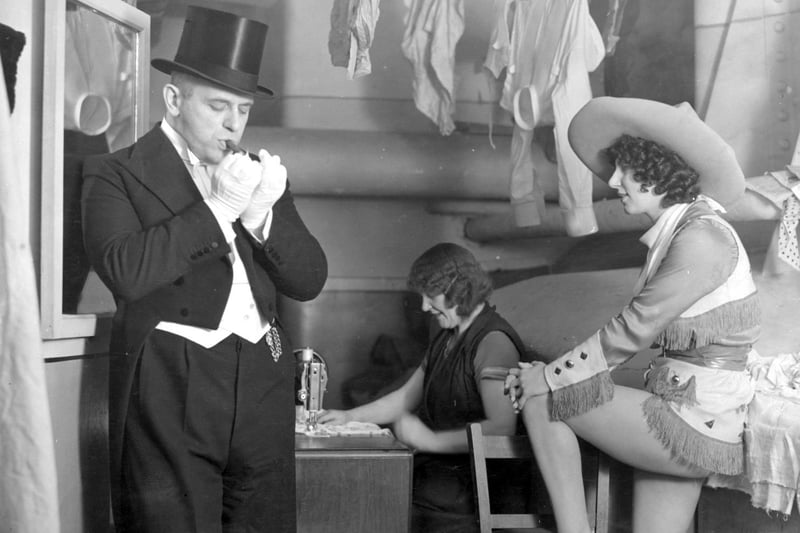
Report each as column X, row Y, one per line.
column 558, row 455
column 664, row 499
column 662, row 503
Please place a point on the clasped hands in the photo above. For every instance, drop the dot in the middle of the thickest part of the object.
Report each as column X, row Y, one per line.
column 247, row 189
column 525, row 382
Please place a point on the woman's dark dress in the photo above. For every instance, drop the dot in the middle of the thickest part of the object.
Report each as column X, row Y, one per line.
column 443, row 498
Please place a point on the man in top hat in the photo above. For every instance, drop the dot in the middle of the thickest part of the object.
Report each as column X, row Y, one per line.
column 195, row 239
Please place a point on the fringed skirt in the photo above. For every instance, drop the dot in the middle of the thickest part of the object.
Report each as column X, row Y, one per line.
column 698, row 413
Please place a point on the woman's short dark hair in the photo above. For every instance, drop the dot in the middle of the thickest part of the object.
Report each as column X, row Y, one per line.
column 653, row 164
column 449, row 269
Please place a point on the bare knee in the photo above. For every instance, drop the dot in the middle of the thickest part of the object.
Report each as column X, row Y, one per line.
column 536, row 412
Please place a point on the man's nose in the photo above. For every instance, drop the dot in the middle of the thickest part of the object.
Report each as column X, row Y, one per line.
column 234, row 121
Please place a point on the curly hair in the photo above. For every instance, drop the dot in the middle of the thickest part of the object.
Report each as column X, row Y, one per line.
column 653, row 164
column 453, row 271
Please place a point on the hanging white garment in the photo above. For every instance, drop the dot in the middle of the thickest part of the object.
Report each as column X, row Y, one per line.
column 29, row 484
column 98, row 81
column 547, row 54
column 432, row 30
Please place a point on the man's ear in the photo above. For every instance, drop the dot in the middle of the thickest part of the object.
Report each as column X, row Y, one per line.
column 172, row 99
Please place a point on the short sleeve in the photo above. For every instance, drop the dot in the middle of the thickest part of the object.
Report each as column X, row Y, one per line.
column 495, row 355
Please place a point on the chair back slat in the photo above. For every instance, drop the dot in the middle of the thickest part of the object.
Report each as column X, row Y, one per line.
column 483, row 447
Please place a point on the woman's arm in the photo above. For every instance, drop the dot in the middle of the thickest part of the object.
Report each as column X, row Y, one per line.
column 496, row 354
column 701, row 256
column 385, row 409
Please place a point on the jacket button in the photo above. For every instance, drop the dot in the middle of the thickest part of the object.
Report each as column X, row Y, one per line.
column 215, row 244
column 557, row 370
column 568, row 363
column 184, row 312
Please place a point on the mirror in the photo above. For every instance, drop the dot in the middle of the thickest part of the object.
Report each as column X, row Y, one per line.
column 94, row 101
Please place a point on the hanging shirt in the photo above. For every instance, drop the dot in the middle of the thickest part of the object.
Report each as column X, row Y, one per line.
column 98, row 82
column 241, row 315
column 548, row 52
column 432, row 30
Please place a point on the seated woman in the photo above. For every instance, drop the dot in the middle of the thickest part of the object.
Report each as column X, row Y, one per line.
column 460, row 380
column 695, row 299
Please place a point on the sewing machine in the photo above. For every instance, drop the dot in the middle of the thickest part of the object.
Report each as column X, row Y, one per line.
column 313, row 375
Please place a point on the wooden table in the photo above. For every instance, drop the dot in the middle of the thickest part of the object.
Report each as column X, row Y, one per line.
column 353, row 484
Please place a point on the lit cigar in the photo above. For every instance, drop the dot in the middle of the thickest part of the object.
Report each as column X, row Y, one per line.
column 233, row 147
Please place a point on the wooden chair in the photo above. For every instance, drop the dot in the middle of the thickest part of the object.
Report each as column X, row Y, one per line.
column 483, row 447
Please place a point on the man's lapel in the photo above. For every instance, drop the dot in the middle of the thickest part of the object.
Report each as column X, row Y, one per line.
column 163, row 172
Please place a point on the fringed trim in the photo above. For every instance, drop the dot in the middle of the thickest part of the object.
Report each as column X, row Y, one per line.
column 686, row 333
column 583, row 396
column 660, row 383
column 687, row 445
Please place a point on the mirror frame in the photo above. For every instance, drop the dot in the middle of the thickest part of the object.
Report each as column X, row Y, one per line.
column 54, row 323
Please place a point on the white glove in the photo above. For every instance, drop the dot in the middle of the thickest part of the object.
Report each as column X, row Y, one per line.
column 232, row 185
column 268, row 191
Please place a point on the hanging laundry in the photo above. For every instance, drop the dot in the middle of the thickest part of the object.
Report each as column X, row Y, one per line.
column 547, row 49
column 29, row 486
column 99, row 77
column 339, row 35
column 352, row 31
column 432, row 30
column 613, row 24
column 782, row 189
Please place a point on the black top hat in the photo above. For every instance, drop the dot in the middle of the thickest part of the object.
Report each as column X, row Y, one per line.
column 221, row 47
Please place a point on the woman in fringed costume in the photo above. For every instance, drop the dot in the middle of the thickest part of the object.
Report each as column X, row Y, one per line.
column 695, row 299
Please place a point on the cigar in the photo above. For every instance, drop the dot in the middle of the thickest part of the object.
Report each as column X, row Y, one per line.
column 233, row 147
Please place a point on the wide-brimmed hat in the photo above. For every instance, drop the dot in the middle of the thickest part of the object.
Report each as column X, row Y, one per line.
column 678, row 128
column 220, row 47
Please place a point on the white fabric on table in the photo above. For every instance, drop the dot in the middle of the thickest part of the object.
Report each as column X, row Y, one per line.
column 772, row 436
column 350, row 429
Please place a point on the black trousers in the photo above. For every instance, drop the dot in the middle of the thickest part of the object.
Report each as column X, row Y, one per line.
column 209, row 439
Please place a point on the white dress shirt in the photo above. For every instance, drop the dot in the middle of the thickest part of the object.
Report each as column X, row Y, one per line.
column 241, row 315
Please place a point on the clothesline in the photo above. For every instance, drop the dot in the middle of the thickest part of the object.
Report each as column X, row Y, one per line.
column 542, row 50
